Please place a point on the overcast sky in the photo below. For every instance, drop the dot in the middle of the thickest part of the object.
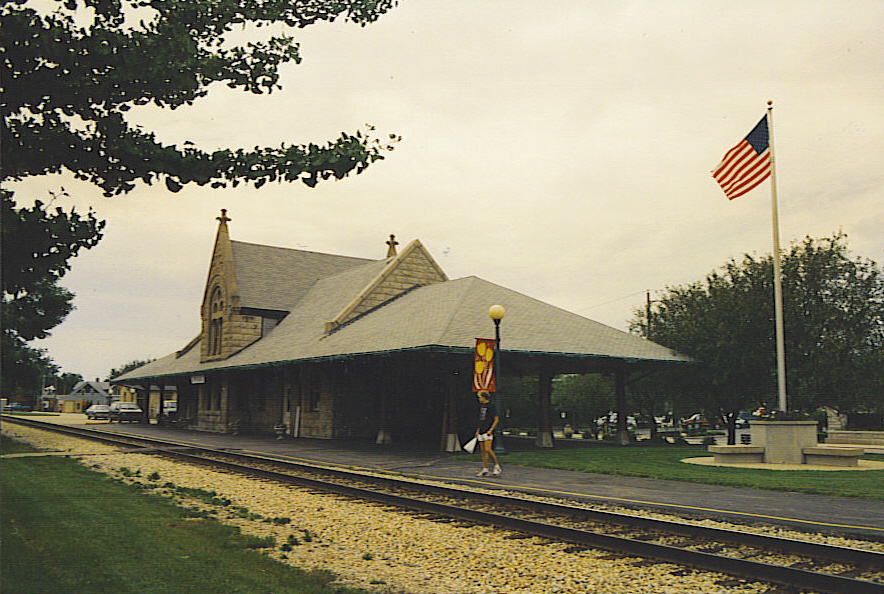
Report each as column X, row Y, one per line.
column 562, row 149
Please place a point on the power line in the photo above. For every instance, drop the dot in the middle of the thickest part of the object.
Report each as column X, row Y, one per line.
column 611, row 301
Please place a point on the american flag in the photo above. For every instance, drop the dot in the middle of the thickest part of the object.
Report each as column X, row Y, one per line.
column 747, row 164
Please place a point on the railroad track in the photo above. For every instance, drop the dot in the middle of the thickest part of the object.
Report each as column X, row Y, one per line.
column 816, row 567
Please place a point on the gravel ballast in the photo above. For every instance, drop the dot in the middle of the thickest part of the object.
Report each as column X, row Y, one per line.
column 386, row 550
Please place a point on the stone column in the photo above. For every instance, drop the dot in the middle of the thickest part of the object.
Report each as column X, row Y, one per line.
column 782, row 440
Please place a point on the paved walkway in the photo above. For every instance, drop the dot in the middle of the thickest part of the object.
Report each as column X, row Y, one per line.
column 816, row 512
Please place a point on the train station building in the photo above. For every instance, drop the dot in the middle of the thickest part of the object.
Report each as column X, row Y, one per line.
column 329, row 346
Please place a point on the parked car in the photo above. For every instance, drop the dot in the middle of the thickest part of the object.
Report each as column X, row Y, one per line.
column 98, row 411
column 696, row 420
column 743, row 419
column 125, row 411
column 611, row 419
column 16, row 407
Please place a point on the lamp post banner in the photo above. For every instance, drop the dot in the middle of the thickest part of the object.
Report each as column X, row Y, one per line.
column 483, row 367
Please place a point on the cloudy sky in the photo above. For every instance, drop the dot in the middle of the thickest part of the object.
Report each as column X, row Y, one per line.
column 562, row 149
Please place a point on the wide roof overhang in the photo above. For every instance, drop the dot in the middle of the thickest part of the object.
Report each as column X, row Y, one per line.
column 520, row 363
column 444, row 317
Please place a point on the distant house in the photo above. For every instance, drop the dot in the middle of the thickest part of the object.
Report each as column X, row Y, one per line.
column 92, row 392
column 161, row 393
column 127, row 393
column 70, row 404
column 331, row 346
column 156, row 393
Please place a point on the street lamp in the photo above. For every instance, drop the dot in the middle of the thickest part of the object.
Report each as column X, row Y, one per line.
column 496, row 313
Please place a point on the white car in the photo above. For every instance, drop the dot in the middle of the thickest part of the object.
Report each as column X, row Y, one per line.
column 98, row 411
column 125, row 411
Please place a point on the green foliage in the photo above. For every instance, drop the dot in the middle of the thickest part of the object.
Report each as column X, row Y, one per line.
column 664, row 462
column 834, row 322
column 72, row 70
column 519, row 402
column 127, row 541
column 258, row 542
column 23, row 367
column 116, row 372
column 37, row 246
column 11, row 446
column 70, row 74
column 203, row 495
column 583, row 398
column 64, row 383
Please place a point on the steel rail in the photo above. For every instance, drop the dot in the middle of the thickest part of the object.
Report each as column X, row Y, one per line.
column 835, row 553
column 743, row 568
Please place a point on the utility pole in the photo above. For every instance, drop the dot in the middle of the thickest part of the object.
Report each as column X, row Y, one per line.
column 648, row 302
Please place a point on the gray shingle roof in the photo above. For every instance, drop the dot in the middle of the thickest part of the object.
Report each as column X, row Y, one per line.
column 277, row 278
column 88, row 386
column 448, row 315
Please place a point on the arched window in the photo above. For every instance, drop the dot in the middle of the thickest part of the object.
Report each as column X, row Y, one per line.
column 216, row 321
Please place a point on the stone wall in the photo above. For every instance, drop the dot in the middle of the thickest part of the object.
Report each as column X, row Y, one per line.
column 239, row 332
column 414, row 267
column 318, row 423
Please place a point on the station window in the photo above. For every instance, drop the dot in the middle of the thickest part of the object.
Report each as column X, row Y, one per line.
column 313, row 397
column 216, row 321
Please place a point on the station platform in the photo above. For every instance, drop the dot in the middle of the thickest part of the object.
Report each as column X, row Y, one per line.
column 812, row 512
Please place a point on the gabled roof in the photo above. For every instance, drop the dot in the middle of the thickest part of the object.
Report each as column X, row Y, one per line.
column 92, row 387
column 445, row 316
column 275, row 278
column 413, row 267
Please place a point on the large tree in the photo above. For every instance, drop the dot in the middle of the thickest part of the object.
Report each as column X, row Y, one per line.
column 71, row 71
column 834, row 322
column 37, row 246
column 583, row 399
column 118, row 371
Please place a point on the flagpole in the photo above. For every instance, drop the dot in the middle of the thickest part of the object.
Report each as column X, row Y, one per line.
column 777, row 272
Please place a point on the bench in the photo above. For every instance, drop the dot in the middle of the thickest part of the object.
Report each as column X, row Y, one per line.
column 831, row 456
column 855, row 437
column 737, row 454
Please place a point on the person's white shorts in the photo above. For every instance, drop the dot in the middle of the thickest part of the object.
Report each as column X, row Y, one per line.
column 485, row 437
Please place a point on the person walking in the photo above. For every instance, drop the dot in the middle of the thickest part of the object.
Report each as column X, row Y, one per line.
column 487, row 421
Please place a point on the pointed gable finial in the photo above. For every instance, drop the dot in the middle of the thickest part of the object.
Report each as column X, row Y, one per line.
column 223, row 218
column 392, row 243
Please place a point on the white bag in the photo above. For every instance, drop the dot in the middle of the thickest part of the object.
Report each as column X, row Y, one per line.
column 470, row 445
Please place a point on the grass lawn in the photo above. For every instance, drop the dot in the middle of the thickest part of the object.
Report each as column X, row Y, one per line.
column 663, row 462
column 10, row 446
column 67, row 529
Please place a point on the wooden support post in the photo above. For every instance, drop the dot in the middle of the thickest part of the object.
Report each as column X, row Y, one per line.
column 620, row 390
column 451, row 440
column 160, row 404
column 385, row 435
column 544, row 405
